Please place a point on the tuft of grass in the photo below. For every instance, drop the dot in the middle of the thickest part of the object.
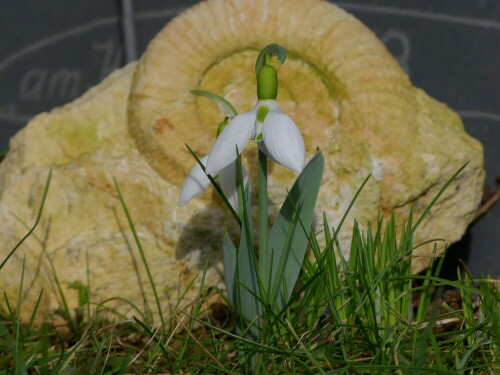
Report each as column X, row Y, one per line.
column 363, row 315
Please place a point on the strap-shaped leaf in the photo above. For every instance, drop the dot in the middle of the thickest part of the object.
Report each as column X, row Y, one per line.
column 289, row 236
column 247, row 285
column 223, row 104
column 229, row 256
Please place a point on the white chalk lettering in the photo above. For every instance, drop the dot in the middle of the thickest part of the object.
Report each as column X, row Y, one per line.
column 40, row 84
column 31, row 87
column 112, row 56
column 64, row 83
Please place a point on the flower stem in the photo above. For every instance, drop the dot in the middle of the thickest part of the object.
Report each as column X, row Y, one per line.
column 267, row 59
column 263, row 217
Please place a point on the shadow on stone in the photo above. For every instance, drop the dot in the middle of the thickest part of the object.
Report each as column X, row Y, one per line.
column 201, row 237
column 459, row 251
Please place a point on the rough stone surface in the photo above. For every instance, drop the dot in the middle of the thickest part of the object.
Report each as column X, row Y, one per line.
column 341, row 86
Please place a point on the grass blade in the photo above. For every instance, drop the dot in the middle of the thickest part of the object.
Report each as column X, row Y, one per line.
column 141, row 252
column 247, row 285
column 37, row 221
column 229, row 256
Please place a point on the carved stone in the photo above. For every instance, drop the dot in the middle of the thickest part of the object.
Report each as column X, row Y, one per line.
column 342, row 87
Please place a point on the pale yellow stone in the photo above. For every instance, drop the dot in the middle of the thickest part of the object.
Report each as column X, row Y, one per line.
column 342, row 87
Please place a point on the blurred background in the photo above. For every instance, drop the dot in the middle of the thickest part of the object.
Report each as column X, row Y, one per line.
column 54, row 50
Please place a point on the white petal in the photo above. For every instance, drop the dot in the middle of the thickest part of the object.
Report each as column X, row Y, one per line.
column 235, row 135
column 271, row 104
column 227, row 181
column 195, row 184
column 283, row 141
column 263, row 148
column 272, row 107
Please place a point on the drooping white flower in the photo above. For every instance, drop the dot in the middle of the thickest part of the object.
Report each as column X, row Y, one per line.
column 276, row 133
column 197, row 182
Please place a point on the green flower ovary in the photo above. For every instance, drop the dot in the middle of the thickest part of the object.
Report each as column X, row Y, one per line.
column 267, row 83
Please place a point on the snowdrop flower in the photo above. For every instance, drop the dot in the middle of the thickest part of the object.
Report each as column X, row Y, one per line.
column 197, row 181
column 276, row 133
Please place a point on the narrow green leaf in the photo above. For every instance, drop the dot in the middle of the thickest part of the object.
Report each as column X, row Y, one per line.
column 153, row 336
column 222, row 103
column 195, row 311
column 436, row 198
column 33, row 314
column 288, row 240
column 229, row 255
column 246, row 276
column 263, row 219
column 9, row 307
column 271, row 50
column 141, row 252
column 18, row 357
column 216, row 186
column 38, row 217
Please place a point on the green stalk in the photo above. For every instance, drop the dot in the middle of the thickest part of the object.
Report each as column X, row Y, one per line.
column 141, row 252
column 263, row 223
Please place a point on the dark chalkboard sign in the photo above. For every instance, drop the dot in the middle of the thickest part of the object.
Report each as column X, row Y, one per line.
column 52, row 51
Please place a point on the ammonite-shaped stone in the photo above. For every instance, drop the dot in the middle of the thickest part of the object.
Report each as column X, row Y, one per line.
column 341, row 86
